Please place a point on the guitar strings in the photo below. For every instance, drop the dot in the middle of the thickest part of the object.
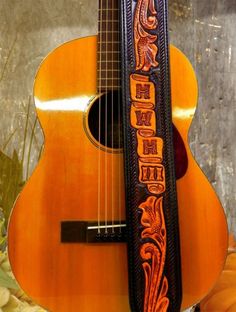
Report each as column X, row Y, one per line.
column 112, row 124
column 105, row 195
column 106, row 134
column 99, row 117
column 119, row 135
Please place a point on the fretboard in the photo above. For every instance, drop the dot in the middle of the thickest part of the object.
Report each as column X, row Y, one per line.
column 108, row 74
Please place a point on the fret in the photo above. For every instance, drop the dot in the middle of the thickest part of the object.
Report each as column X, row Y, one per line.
column 110, row 70
column 109, row 26
column 104, row 3
column 109, row 52
column 105, row 87
column 108, row 49
column 108, row 56
column 109, row 37
column 107, row 42
column 110, row 20
column 108, row 88
column 102, row 76
column 108, row 9
column 108, row 15
column 109, row 80
column 108, row 67
column 108, row 84
column 104, row 58
column 109, row 74
column 109, row 61
column 106, row 78
column 110, row 31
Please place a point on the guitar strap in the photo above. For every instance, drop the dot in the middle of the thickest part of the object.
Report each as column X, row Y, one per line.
column 152, row 214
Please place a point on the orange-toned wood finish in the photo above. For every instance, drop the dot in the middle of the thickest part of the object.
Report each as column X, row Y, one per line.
column 64, row 186
column 223, row 295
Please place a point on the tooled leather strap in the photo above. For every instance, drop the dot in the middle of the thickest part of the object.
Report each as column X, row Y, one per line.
column 152, row 215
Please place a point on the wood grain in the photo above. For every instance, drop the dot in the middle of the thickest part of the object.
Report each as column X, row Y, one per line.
column 63, row 187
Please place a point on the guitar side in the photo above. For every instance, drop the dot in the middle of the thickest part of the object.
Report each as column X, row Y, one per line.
column 64, row 186
column 202, row 222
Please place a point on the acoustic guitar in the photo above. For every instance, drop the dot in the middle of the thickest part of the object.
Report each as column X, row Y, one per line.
column 76, row 193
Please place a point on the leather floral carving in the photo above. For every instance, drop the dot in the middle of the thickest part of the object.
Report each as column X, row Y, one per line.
column 145, row 48
column 153, row 253
column 153, row 220
column 151, row 170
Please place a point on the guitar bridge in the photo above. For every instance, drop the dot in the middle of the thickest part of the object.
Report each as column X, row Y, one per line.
column 93, row 232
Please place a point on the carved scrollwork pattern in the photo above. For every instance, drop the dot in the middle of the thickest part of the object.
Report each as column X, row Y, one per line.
column 144, row 119
column 153, row 253
column 145, row 48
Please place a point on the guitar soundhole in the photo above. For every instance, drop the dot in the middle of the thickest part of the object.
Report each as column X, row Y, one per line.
column 110, row 125
column 105, row 120
column 181, row 158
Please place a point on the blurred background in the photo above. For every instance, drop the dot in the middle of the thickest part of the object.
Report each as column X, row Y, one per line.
column 29, row 30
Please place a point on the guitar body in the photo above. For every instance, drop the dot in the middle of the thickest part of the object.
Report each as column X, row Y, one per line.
column 64, row 186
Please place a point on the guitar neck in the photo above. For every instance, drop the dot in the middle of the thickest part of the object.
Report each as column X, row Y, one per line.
column 108, row 60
